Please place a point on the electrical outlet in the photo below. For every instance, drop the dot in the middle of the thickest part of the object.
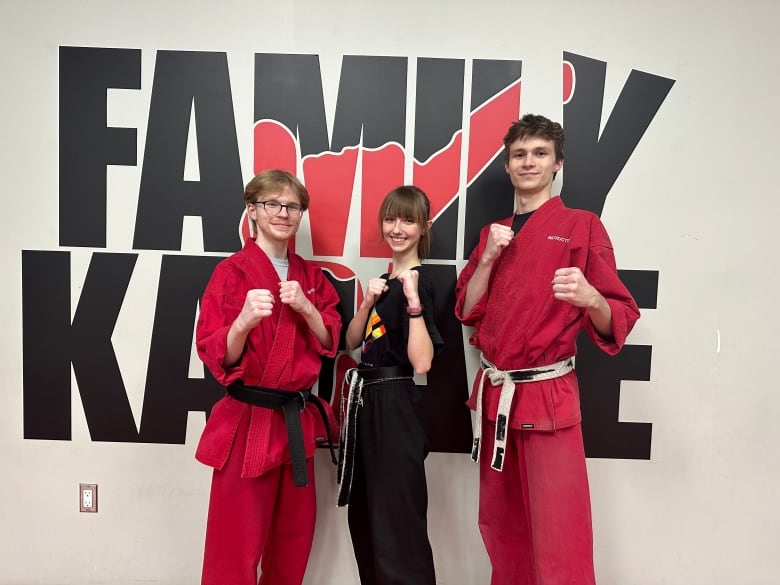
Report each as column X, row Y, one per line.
column 88, row 497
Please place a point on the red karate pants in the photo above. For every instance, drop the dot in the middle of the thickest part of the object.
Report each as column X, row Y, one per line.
column 256, row 518
column 534, row 515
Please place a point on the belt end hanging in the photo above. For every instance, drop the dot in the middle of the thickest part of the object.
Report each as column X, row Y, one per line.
column 475, row 450
column 498, row 459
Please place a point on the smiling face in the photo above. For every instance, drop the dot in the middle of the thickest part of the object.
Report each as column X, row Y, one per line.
column 271, row 228
column 401, row 234
column 404, row 221
column 531, row 165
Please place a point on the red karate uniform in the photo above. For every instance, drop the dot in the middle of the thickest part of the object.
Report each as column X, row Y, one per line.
column 535, row 515
column 255, row 510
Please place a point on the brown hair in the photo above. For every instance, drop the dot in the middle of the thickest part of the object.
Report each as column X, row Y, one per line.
column 271, row 182
column 532, row 125
column 411, row 203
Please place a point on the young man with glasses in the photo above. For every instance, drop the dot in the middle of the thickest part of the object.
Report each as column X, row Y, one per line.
column 266, row 318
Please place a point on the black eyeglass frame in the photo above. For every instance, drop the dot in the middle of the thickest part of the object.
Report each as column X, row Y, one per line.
column 293, row 209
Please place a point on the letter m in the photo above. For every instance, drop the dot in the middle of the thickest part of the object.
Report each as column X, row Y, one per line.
column 291, row 125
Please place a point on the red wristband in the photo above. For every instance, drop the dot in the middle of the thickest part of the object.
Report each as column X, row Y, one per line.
column 414, row 311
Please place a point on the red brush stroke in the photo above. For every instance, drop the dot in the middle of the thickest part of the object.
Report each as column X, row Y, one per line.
column 439, row 176
column 383, row 170
column 275, row 147
column 569, row 81
column 487, row 128
column 330, row 179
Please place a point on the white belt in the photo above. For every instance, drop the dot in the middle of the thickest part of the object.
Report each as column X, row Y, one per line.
column 507, row 380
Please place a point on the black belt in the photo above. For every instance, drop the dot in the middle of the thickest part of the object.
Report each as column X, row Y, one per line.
column 291, row 404
column 370, row 374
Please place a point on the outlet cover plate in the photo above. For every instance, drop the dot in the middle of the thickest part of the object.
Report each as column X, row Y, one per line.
column 88, row 497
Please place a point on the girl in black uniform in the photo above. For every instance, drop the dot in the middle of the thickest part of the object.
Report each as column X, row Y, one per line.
column 384, row 444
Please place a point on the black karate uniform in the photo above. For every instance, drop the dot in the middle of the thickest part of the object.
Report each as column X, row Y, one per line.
column 388, row 501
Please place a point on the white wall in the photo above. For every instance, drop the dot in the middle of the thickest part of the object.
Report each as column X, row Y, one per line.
column 694, row 202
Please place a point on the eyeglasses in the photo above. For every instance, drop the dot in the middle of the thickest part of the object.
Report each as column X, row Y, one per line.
column 275, row 208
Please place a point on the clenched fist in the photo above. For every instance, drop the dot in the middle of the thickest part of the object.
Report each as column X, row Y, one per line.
column 258, row 305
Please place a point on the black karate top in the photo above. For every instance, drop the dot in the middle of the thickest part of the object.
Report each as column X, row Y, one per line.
column 387, row 329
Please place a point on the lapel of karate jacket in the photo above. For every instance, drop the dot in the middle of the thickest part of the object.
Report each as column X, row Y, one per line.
column 517, row 268
column 516, row 252
column 279, row 332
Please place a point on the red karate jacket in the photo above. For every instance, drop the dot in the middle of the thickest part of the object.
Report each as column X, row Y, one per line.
column 520, row 324
column 281, row 353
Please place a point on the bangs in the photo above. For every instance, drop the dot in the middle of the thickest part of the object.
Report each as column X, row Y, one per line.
column 402, row 209
column 405, row 205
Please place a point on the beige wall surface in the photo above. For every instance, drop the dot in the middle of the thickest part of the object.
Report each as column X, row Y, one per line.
column 695, row 202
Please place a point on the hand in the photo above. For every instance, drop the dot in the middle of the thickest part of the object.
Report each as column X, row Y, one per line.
column 291, row 293
column 498, row 239
column 376, row 288
column 571, row 286
column 409, row 279
column 258, row 305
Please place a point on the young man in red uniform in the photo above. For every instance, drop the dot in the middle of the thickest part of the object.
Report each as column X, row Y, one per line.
column 266, row 318
column 532, row 283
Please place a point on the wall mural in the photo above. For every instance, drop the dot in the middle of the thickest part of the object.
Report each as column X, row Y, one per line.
column 366, row 154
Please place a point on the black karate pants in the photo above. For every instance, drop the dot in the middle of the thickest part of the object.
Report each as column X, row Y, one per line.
column 388, row 503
